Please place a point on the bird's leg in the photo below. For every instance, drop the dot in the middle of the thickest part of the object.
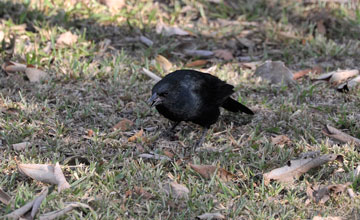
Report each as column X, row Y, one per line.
column 170, row 132
column 202, row 139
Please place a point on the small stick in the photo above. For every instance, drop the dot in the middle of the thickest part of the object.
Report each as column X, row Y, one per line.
column 151, row 74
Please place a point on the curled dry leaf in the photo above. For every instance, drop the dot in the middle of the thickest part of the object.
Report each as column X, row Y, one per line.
column 34, row 74
column 280, row 140
column 207, row 171
column 302, row 73
column 197, row 63
column 66, row 39
column 12, row 67
column 61, row 212
column 165, row 64
column 45, row 173
column 32, row 205
column 345, row 87
column 177, row 190
column 123, row 125
column 210, row 216
column 198, row 53
column 136, row 136
column 338, row 77
column 141, row 192
column 340, row 136
column 295, row 168
column 224, row 54
column 322, row 194
column 21, row 146
column 4, row 197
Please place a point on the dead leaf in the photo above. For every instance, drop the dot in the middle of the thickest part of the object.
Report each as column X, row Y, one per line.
column 123, row 125
column 45, row 173
column 4, row 197
column 250, row 65
column 146, row 41
column 275, row 72
column 177, row 190
column 90, row 133
column 154, row 156
column 321, row 27
column 136, row 136
column 34, row 74
column 338, row 77
column 209, row 216
column 345, row 87
column 32, row 205
column 165, row 64
column 12, row 67
column 161, row 28
column 61, row 212
column 340, row 136
column 197, row 63
column 169, row 154
column 198, row 53
column 327, row 218
column 224, row 54
column 141, row 192
column 322, row 194
column 302, row 73
column 207, row 171
column 21, row 146
column 280, row 140
column 357, row 171
column 295, row 168
column 66, row 39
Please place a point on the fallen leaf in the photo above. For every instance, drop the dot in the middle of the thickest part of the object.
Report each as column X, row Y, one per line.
column 295, row 168
column 327, row 218
column 154, row 156
column 322, row 194
column 90, row 133
column 207, row 171
column 34, row 74
column 338, row 77
column 141, row 192
column 345, row 87
column 165, row 64
column 250, row 65
column 357, row 171
column 45, row 173
column 136, row 136
column 321, row 27
column 280, row 140
column 32, row 205
column 21, row 146
column 61, row 212
column 210, row 216
column 224, row 54
column 275, row 72
column 177, row 190
column 302, row 73
column 170, row 31
column 123, row 125
column 351, row 193
column 340, row 136
column 4, row 197
column 197, row 63
column 169, row 154
column 66, row 39
column 12, row 67
column 198, row 53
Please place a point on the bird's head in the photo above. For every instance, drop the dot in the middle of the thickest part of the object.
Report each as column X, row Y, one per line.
column 159, row 95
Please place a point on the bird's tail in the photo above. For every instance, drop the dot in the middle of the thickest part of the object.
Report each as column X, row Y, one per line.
column 234, row 106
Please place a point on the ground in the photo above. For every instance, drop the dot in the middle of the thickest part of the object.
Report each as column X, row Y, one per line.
column 98, row 81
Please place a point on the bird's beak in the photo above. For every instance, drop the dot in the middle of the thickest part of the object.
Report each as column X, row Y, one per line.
column 154, row 100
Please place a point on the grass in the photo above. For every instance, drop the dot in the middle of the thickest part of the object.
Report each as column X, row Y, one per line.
column 92, row 88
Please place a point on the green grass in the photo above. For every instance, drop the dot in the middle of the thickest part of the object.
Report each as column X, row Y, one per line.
column 90, row 88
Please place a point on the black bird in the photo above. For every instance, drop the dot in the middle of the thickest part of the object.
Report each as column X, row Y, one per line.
column 189, row 95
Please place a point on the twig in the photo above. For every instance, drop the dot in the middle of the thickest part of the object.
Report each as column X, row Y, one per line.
column 151, row 75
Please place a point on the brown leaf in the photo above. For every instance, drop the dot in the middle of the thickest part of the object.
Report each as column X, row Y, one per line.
column 338, row 77
column 136, row 136
column 141, row 192
column 123, row 125
column 170, row 31
column 224, row 54
column 165, row 64
column 295, row 168
column 207, row 171
column 90, row 133
column 21, row 146
column 197, row 63
column 250, row 65
column 60, row 178
column 4, row 197
column 280, row 140
column 32, row 205
column 322, row 194
column 61, row 212
column 177, row 190
column 302, row 73
column 209, row 216
column 169, row 154
column 66, row 39
column 12, row 67
column 340, row 136
column 34, row 74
